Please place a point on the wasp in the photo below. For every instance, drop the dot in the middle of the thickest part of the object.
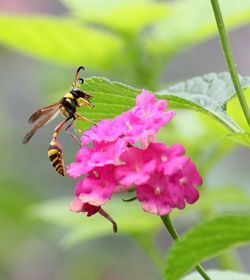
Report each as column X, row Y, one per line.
column 68, row 104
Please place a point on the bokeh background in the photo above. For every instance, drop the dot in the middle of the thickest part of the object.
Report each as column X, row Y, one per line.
column 33, row 248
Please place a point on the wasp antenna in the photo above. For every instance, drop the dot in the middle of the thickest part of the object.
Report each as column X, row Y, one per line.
column 77, row 72
column 80, row 80
column 80, row 68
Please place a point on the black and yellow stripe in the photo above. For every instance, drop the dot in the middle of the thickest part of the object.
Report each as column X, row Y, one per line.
column 69, row 97
column 56, row 156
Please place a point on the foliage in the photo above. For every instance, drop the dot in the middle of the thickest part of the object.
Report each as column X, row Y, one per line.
column 218, row 275
column 51, row 38
column 80, row 229
column 197, row 94
column 140, row 13
column 204, row 241
column 126, row 50
column 242, row 138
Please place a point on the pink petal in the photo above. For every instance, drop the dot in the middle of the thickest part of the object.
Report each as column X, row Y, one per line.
column 107, row 153
column 175, row 165
column 137, row 167
column 77, row 206
column 151, row 202
column 144, row 98
column 77, row 169
column 98, row 187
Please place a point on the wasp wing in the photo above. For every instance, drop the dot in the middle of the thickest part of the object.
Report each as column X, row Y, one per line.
column 53, row 117
column 45, row 120
column 43, row 111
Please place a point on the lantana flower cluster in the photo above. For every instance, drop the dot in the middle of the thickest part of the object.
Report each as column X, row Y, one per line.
column 120, row 154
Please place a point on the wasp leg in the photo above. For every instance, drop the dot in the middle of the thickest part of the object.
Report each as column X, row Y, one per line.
column 71, row 134
column 58, row 128
column 55, row 152
column 79, row 117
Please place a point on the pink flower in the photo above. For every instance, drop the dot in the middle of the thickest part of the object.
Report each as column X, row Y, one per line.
column 137, row 167
column 155, row 196
column 105, row 131
column 162, row 193
column 163, row 177
column 78, row 206
column 139, row 124
column 100, row 155
column 125, row 157
column 81, row 166
column 97, row 187
column 107, row 153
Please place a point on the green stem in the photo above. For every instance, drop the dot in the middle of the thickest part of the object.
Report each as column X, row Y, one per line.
column 170, row 227
column 229, row 59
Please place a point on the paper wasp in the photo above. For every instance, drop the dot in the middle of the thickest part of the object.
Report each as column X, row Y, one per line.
column 67, row 106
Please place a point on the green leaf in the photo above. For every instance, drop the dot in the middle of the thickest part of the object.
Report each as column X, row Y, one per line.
column 205, row 241
column 82, row 228
column 219, row 275
column 208, row 94
column 129, row 217
column 60, row 40
column 128, row 17
column 110, row 99
column 234, row 110
column 242, row 138
column 192, row 21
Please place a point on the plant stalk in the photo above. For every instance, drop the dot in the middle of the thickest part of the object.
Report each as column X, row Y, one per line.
column 229, row 59
column 170, row 227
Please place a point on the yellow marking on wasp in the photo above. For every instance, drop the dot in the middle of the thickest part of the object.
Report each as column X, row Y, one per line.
column 58, row 166
column 80, row 101
column 69, row 100
column 61, row 172
column 52, row 152
column 69, row 95
column 64, row 112
column 54, row 160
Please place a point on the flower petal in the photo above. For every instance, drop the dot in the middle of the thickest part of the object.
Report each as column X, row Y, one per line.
column 78, row 206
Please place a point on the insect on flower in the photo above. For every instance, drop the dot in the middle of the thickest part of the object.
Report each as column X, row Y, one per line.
column 67, row 106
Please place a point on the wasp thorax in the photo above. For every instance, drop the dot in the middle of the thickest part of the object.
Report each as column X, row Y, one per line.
column 77, row 92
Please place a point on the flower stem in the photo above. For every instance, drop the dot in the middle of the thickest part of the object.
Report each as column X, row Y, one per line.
column 170, row 227
column 229, row 59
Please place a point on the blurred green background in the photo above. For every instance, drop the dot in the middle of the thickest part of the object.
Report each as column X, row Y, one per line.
column 146, row 44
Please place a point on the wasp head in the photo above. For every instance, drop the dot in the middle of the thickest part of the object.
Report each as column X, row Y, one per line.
column 79, row 93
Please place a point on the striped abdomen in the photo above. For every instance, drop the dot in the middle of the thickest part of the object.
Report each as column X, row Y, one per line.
column 56, row 156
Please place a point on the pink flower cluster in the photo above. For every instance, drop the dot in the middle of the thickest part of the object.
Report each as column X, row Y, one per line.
column 124, row 156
